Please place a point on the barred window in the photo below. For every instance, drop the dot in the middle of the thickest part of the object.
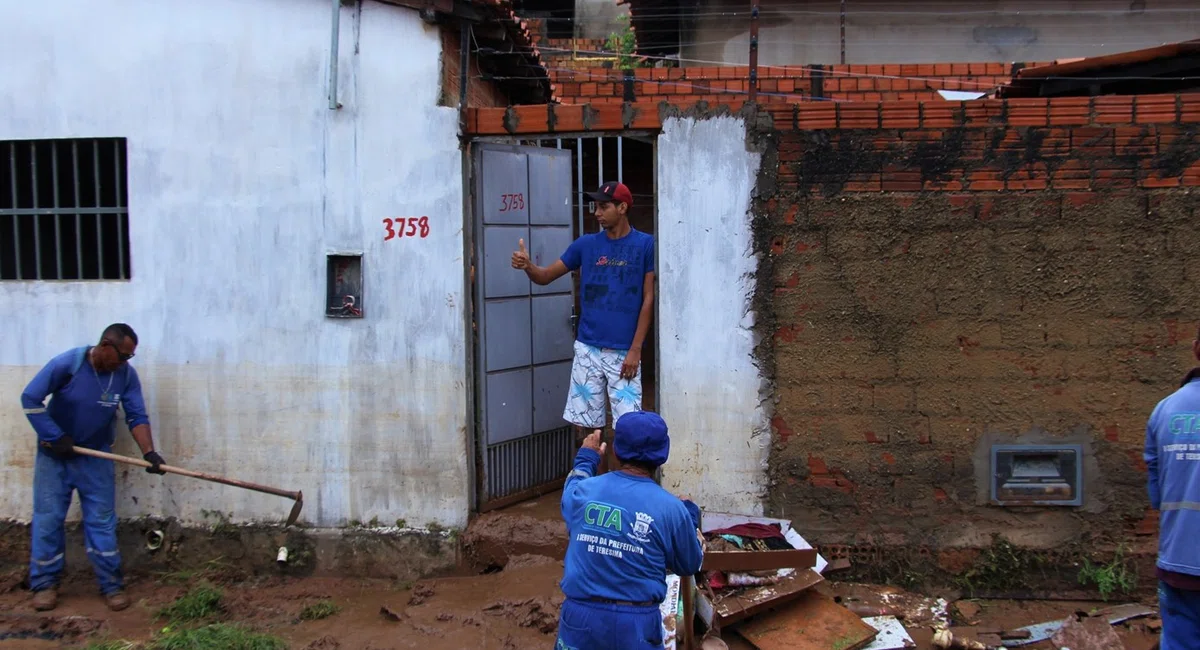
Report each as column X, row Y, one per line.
column 64, row 210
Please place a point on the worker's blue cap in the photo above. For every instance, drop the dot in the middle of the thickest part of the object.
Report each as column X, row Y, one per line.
column 641, row 436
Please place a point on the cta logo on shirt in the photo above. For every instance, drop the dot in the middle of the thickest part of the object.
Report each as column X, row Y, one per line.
column 602, row 516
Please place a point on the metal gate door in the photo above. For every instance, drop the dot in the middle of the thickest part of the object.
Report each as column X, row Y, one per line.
column 525, row 331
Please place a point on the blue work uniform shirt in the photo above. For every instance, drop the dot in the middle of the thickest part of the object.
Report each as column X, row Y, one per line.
column 84, row 404
column 1172, row 455
column 612, row 276
column 625, row 534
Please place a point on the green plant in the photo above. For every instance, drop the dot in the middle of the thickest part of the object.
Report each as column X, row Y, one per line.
column 401, row 523
column 624, row 45
column 199, row 602
column 217, row 636
column 185, row 576
column 1001, row 566
column 318, row 611
column 111, row 645
column 1109, row 578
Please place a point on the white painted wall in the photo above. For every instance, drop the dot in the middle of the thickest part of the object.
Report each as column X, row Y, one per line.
column 935, row 31
column 240, row 180
column 711, row 392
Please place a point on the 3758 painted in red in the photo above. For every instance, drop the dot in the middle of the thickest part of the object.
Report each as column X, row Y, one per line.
column 401, row 227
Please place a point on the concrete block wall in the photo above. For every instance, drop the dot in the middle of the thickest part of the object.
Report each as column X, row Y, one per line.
column 939, row 277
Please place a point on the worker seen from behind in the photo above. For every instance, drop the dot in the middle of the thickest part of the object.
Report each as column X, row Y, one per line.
column 625, row 534
column 1172, row 456
column 88, row 384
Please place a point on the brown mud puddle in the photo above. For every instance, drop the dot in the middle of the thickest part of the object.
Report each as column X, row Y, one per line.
column 513, row 609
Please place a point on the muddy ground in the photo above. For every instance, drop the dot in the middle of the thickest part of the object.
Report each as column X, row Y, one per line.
column 511, row 609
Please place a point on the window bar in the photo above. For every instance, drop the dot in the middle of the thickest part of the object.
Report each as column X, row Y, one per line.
column 117, row 200
column 78, row 204
column 578, row 179
column 12, row 158
column 37, row 218
column 600, row 161
column 620, row 160
column 58, row 262
column 99, row 224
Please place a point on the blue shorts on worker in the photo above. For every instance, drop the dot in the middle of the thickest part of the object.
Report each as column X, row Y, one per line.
column 584, row 625
column 1180, row 611
column 53, row 481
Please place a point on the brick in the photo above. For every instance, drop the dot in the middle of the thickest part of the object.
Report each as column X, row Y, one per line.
column 568, row 117
column 1113, row 109
column 490, row 121
column 1028, row 112
column 1155, row 109
column 893, row 397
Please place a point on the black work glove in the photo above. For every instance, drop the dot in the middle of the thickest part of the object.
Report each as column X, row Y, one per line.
column 62, row 447
column 155, row 460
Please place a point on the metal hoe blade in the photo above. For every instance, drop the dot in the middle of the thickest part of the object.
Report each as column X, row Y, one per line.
column 295, row 514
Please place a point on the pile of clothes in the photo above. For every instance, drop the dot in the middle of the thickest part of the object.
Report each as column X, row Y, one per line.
column 746, row 537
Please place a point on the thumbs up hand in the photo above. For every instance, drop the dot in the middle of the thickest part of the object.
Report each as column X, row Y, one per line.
column 520, row 259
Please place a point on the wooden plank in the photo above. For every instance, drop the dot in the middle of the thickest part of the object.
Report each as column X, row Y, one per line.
column 812, row 622
column 748, row 601
column 759, row 560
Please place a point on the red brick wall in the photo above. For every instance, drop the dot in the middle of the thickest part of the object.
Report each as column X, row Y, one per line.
column 782, row 84
column 479, row 92
column 943, row 275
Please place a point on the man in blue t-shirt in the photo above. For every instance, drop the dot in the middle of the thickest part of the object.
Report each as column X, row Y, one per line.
column 1172, row 455
column 616, row 283
column 624, row 534
column 88, row 383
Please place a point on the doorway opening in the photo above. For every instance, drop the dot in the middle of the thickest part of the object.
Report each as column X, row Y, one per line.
column 522, row 334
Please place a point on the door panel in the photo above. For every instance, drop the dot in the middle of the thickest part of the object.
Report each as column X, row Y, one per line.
column 553, row 332
column 509, row 405
column 525, row 336
column 549, row 189
column 505, row 191
column 550, row 386
column 501, row 280
column 507, row 342
column 546, row 245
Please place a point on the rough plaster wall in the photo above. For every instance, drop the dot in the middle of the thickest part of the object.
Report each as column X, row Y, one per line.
column 709, row 385
column 915, row 329
column 241, row 180
column 937, row 31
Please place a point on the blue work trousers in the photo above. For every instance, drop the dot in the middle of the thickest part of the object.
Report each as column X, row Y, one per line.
column 1180, row 611
column 95, row 481
column 586, row 625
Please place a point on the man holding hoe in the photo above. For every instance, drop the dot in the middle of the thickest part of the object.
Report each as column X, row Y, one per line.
column 88, row 383
column 616, row 268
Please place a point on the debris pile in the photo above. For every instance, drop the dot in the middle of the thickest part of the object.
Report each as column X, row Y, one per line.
column 762, row 587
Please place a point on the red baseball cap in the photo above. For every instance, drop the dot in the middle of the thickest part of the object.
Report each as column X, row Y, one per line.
column 614, row 192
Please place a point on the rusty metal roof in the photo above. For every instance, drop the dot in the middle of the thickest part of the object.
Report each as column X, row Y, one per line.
column 1174, row 67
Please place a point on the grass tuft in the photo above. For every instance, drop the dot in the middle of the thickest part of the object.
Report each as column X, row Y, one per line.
column 217, row 636
column 200, row 602
column 318, row 611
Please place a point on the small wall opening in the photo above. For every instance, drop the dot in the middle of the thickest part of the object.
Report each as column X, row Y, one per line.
column 1041, row 475
column 344, row 285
